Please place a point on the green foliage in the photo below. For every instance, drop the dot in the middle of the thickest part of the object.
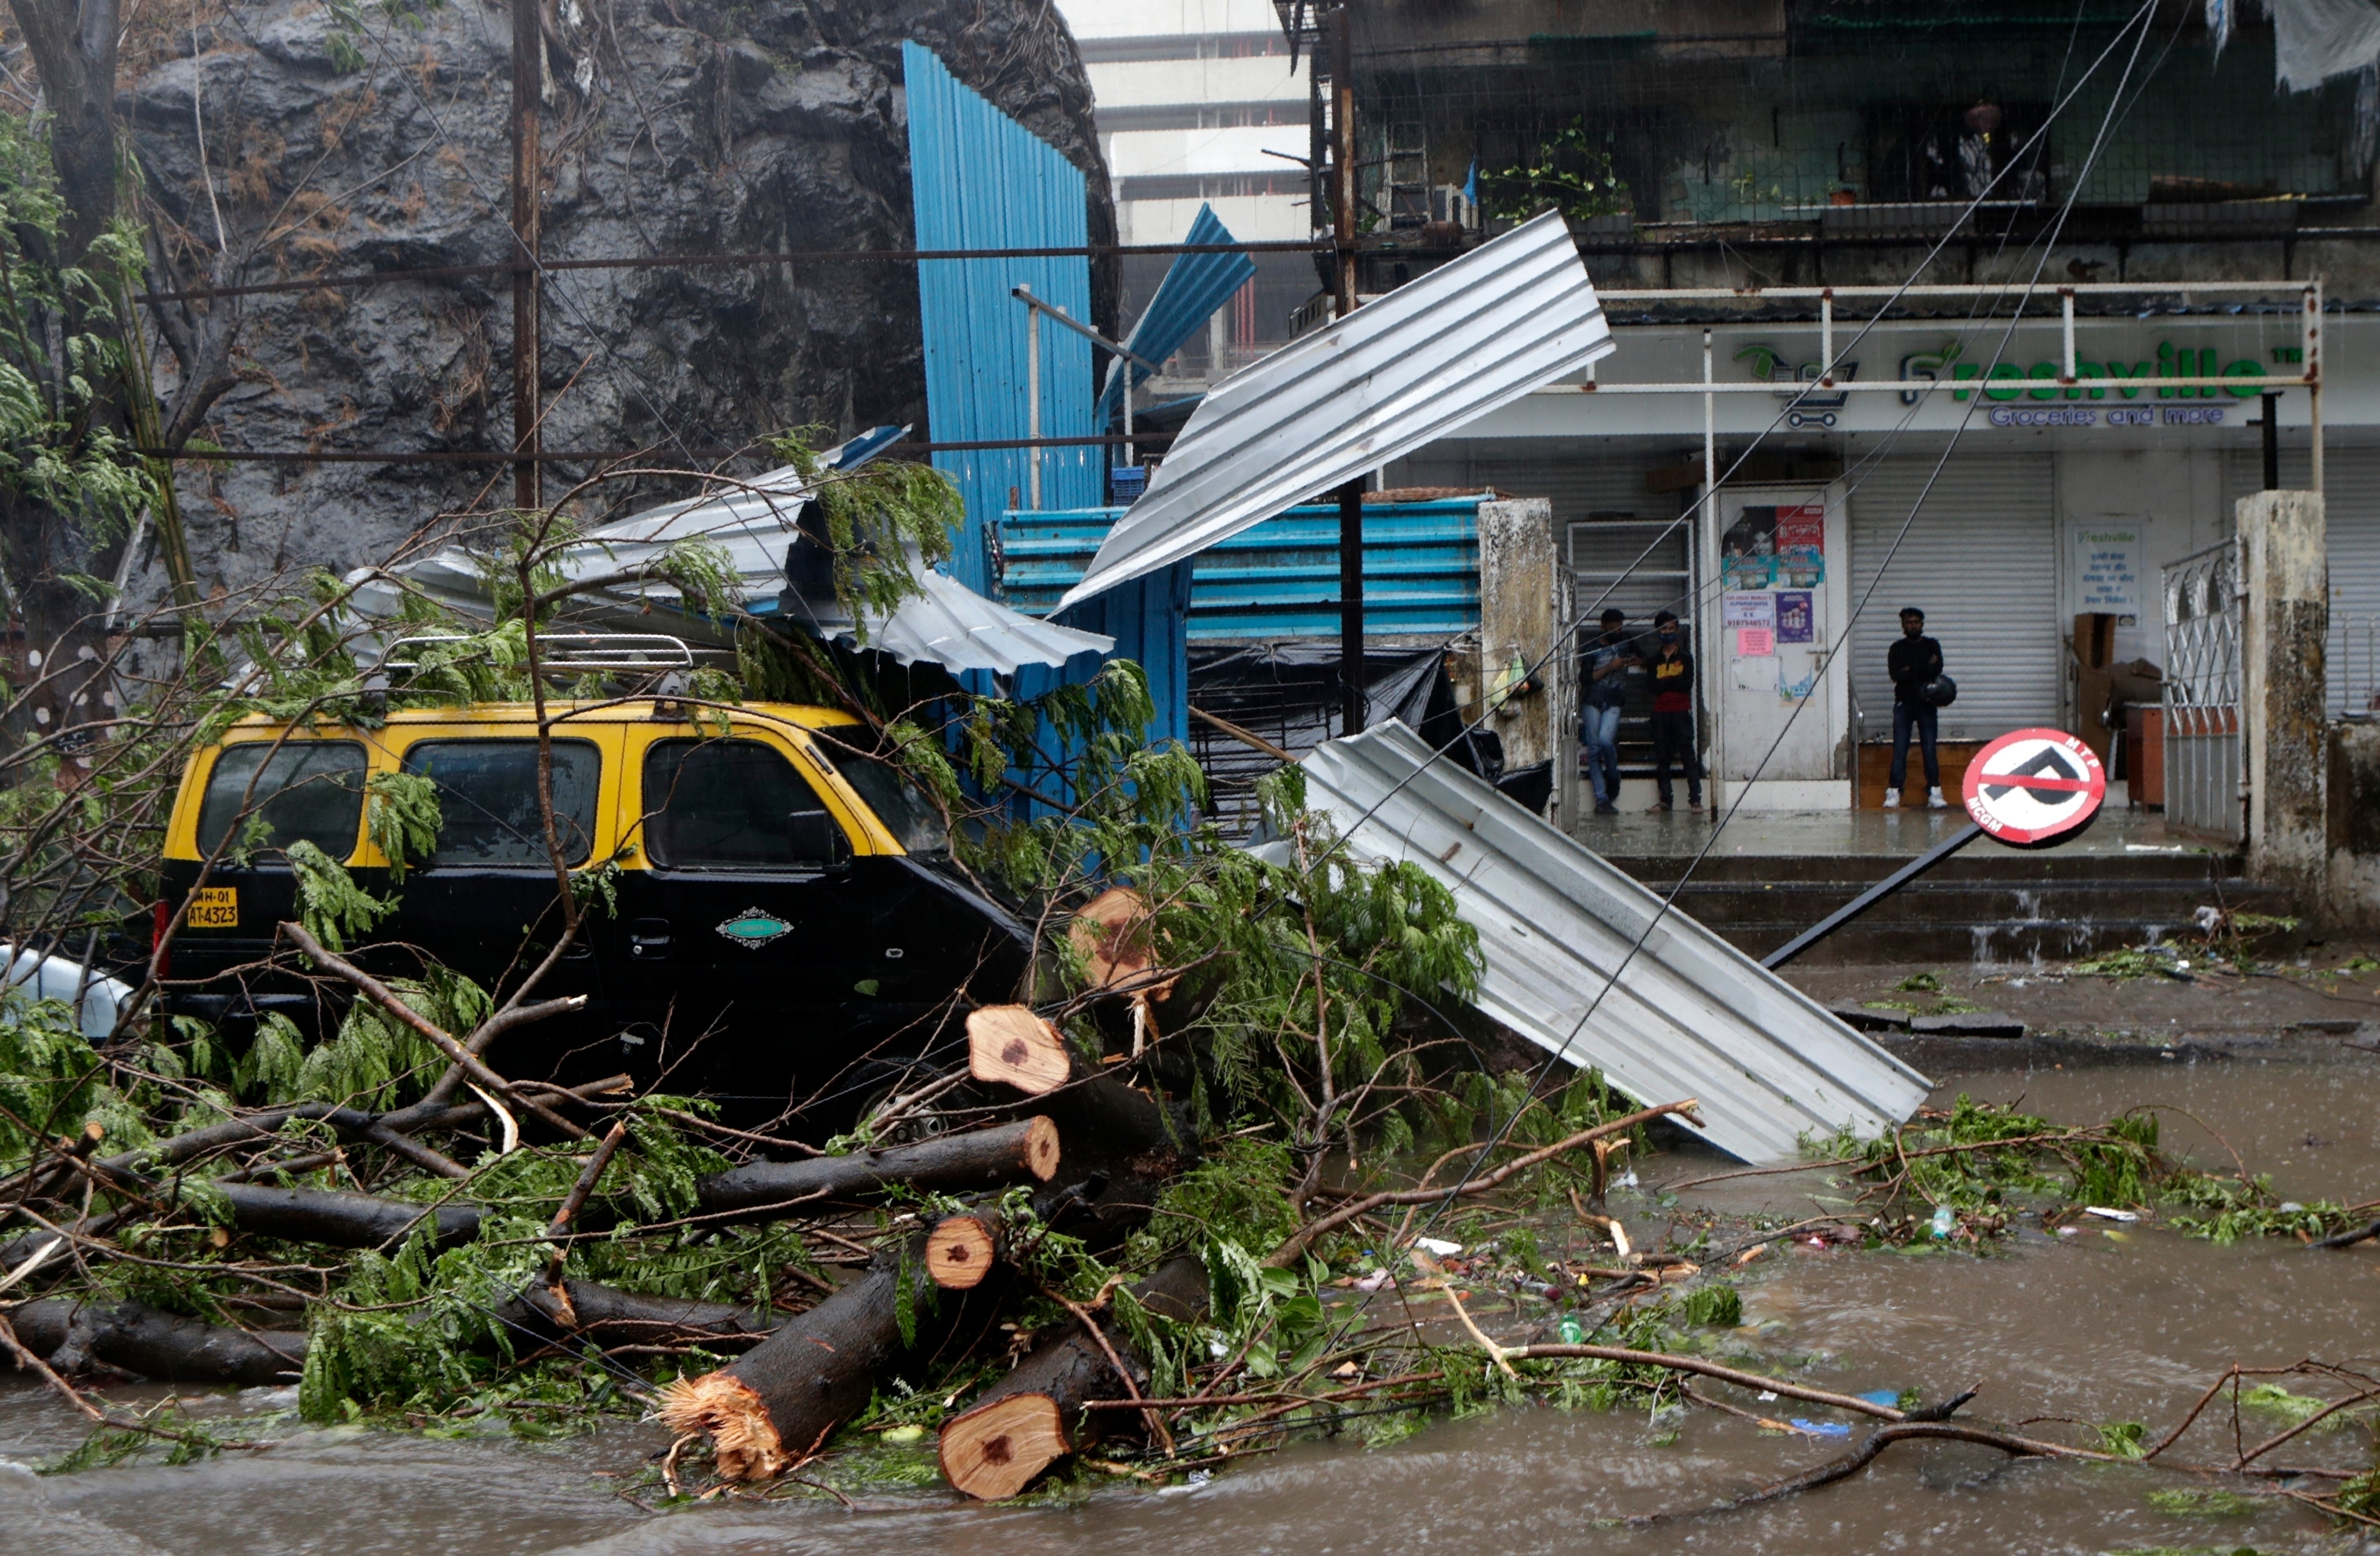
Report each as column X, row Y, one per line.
column 2223, row 1210
column 56, row 451
column 1920, row 983
column 2193, row 1502
column 51, row 1082
column 2125, row 1440
column 329, row 905
column 880, row 521
column 1717, row 1306
column 1567, row 173
column 402, row 819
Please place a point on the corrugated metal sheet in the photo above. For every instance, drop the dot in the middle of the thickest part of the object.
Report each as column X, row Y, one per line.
column 1279, row 577
column 1687, row 1015
column 1398, row 373
column 1194, row 285
column 979, row 179
column 754, row 523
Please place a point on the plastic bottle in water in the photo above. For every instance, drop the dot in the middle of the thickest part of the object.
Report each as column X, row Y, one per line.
column 1572, row 1332
column 1944, row 1221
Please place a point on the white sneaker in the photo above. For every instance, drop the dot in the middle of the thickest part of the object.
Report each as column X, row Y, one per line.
column 1933, row 798
column 1892, row 800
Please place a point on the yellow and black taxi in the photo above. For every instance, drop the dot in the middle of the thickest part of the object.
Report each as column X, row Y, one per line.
column 773, row 885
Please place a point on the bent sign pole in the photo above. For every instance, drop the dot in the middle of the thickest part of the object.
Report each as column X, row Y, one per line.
column 2028, row 789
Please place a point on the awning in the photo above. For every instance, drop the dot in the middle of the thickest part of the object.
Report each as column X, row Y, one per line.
column 1398, row 372
column 753, row 521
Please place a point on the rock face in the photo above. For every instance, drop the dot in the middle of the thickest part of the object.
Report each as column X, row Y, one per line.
column 670, row 127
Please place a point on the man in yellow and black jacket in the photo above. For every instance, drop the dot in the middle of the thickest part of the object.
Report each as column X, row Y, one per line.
column 1672, row 670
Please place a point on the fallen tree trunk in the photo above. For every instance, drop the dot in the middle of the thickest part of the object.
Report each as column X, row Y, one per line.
column 342, row 1219
column 961, row 1250
column 769, row 1410
column 168, row 1347
column 547, row 1315
column 1034, row 1416
column 949, row 1164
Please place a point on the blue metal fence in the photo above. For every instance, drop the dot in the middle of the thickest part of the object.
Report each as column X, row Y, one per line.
column 979, row 179
column 1281, row 578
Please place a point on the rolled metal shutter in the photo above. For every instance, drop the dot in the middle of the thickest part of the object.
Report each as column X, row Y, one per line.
column 1980, row 559
column 2350, row 479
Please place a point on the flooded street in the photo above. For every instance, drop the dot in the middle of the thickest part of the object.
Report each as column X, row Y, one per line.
column 2089, row 1327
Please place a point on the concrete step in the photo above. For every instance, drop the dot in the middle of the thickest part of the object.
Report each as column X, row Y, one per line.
column 1995, row 907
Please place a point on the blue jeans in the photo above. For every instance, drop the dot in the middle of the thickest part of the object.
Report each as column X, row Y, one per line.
column 1598, row 731
column 1925, row 719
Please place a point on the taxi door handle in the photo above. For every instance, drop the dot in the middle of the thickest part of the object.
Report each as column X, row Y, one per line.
column 648, row 940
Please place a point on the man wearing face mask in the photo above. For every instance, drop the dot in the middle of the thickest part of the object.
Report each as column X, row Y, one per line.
column 1607, row 662
column 1672, row 669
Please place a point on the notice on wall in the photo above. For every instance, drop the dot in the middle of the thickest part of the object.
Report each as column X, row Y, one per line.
column 2107, row 570
column 1796, row 617
column 1749, row 608
column 1756, row 642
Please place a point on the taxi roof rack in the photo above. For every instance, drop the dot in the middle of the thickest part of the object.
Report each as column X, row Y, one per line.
column 567, row 653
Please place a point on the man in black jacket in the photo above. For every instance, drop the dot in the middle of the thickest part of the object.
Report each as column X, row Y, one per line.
column 1913, row 663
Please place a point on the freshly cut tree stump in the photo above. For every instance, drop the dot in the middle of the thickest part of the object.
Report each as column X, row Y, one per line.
column 948, row 1163
column 1034, row 1416
column 1010, row 1044
column 773, row 1407
column 1112, row 932
column 164, row 1346
column 961, row 1250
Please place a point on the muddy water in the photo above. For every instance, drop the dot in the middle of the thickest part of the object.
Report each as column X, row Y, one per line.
column 2090, row 1327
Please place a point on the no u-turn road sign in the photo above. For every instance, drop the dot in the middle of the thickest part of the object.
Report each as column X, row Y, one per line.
column 2034, row 787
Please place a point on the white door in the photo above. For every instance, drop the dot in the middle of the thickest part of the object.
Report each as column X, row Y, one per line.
column 1774, row 670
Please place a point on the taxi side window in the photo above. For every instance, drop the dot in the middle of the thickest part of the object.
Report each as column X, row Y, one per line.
column 487, row 799
column 723, row 804
column 309, row 789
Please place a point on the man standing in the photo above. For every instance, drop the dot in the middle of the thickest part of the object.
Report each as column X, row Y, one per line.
column 1672, row 669
column 1607, row 659
column 1913, row 663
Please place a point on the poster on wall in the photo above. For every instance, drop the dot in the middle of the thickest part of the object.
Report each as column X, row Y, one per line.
column 2107, row 570
column 1796, row 617
column 1749, row 608
column 1756, row 642
column 1802, row 544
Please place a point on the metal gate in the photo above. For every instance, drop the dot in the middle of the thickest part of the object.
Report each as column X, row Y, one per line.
column 2206, row 787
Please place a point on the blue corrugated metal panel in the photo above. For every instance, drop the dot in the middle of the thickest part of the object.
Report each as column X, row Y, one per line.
column 1194, row 285
column 1146, row 618
column 979, row 179
column 1279, row 578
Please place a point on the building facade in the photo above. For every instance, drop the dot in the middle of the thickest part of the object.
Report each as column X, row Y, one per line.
column 1201, row 102
column 1739, row 145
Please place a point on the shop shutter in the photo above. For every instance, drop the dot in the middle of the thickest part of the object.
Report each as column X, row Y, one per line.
column 2350, row 479
column 1981, row 561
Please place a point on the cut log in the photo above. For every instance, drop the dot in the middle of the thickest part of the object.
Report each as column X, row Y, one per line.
column 948, row 1163
column 961, row 1250
column 1108, row 1125
column 1012, row 1045
column 1034, row 1416
column 1112, row 933
column 164, row 1346
column 775, row 1407
column 342, row 1219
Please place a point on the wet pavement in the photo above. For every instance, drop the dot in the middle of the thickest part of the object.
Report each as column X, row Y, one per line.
column 2091, row 1327
column 1645, row 833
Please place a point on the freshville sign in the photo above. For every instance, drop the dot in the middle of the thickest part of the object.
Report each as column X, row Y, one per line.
column 2005, row 381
